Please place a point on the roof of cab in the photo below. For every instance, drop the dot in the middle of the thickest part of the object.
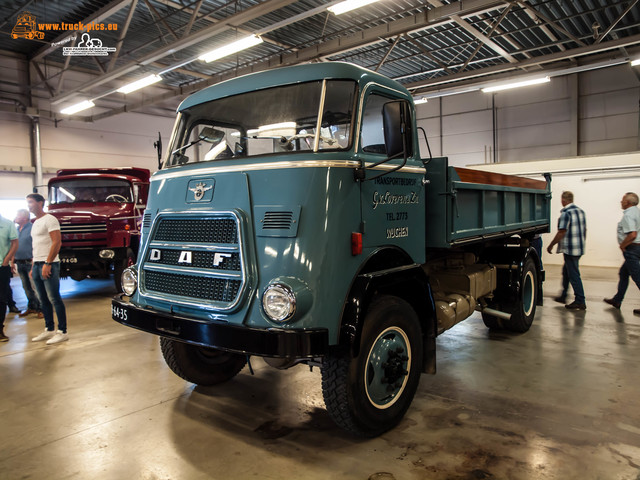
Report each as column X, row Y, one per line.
column 289, row 75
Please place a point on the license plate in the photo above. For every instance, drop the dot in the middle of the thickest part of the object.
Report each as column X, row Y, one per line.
column 119, row 313
column 69, row 260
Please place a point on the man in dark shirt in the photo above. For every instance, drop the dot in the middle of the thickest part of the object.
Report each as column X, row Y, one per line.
column 22, row 262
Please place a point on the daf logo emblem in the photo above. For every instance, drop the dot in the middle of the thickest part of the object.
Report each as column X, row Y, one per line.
column 186, row 257
column 199, row 190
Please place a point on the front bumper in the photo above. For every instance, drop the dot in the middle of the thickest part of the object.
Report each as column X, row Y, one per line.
column 272, row 342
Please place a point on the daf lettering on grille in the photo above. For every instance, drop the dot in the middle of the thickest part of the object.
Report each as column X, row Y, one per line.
column 218, row 258
column 185, row 257
column 155, row 255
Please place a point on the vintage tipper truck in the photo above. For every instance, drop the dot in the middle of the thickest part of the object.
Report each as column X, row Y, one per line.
column 100, row 214
column 294, row 219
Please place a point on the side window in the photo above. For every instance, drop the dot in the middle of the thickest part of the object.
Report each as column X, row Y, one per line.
column 372, row 135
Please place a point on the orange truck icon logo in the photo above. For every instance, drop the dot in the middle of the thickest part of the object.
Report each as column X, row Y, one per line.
column 26, row 27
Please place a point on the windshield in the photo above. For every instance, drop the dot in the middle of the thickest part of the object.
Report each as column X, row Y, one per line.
column 273, row 121
column 90, row 190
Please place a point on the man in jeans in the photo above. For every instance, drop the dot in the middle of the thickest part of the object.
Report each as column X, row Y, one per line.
column 22, row 262
column 629, row 241
column 8, row 247
column 571, row 237
column 46, row 237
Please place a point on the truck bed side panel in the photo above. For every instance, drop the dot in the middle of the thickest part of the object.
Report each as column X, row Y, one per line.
column 465, row 206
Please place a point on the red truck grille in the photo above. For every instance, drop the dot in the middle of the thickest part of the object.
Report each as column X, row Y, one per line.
column 69, row 229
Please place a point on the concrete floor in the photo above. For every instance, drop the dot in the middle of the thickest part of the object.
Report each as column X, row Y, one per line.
column 560, row 402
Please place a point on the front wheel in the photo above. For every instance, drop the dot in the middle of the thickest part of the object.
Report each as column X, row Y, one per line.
column 370, row 393
column 201, row 365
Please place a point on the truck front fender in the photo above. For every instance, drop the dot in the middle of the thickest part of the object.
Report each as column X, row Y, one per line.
column 408, row 282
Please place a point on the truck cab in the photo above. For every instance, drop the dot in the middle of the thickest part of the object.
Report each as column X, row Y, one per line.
column 100, row 214
column 294, row 219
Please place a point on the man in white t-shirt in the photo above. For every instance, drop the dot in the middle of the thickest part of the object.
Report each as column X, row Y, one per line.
column 46, row 241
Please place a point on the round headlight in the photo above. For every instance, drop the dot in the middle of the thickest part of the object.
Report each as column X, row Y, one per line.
column 129, row 281
column 279, row 302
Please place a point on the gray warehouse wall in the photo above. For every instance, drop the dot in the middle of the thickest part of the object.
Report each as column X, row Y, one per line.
column 589, row 113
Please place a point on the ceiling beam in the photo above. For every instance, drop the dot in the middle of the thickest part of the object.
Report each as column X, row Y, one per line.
column 123, row 33
column 413, row 23
column 473, row 31
column 97, row 17
column 196, row 37
column 613, row 25
column 493, row 29
column 553, row 57
column 551, row 23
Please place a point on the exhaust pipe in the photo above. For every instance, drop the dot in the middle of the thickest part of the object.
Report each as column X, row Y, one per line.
column 496, row 313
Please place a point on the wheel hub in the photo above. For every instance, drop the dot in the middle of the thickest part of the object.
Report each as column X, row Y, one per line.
column 387, row 367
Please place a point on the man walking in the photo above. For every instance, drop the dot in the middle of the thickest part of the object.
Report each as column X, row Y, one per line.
column 8, row 247
column 45, row 234
column 571, row 237
column 629, row 241
column 22, row 262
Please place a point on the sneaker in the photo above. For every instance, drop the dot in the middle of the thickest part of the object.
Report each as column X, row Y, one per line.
column 560, row 299
column 611, row 302
column 14, row 309
column 28, row 311
column 576, row 306
column 58, row 337
column 3, row 337
column 46, row 335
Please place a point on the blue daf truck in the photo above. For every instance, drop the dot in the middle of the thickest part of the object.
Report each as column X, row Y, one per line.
column 294, row 219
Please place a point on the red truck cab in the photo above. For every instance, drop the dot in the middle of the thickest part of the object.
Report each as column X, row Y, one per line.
column 100, row 213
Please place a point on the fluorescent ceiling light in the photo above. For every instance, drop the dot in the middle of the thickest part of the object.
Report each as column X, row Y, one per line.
column 418, row 101
column 231, row 48
column 349, row 5
column 524, row 83
column 138, row 84
column 78, row 107
column 635, row 63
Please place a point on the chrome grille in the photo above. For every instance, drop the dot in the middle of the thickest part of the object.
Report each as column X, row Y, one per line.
column 213, row 289
column 195, row 260
column 83, row 228
column 208, row 230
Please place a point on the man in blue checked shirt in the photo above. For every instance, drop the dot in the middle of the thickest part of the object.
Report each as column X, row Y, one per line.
column 629, row 241
column 571, row 237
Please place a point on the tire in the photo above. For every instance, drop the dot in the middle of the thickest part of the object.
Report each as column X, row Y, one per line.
column 119, row 267
column 523, row 310
column 391, row 347
column 201, row 365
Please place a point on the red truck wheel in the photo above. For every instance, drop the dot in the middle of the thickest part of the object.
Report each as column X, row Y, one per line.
column 201, row 365
column 369, row 394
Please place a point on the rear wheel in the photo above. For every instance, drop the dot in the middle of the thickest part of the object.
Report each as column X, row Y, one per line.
column 523, row 310
column 201, row 365
column 369, row 394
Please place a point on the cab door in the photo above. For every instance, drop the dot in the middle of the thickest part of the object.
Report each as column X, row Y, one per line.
column 392, row 201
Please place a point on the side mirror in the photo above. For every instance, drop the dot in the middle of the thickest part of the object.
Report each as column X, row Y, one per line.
column 211, row 135
column 396, row 118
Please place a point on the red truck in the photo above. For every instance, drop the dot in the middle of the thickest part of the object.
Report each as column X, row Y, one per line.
column 100, row 211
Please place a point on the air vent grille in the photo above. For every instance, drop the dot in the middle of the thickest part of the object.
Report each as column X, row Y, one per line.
column 277, row 220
